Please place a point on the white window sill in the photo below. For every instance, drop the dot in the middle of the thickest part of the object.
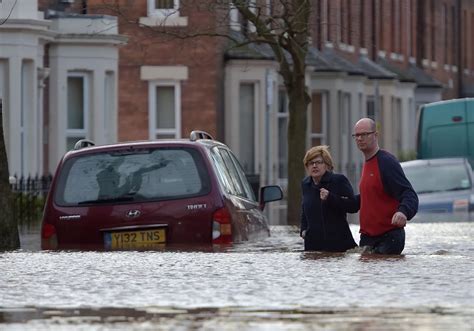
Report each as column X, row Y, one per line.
column 164, row 21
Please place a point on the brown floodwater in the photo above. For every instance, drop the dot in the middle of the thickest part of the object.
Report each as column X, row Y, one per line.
column 266, row 285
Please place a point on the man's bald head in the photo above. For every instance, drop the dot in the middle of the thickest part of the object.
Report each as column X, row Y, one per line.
column 366, row 123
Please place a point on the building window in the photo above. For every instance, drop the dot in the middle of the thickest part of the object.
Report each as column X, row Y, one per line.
column 238, row 22
column 401, row 25
column 375, row 112
column 409, row 23
column 453, row 34
column 465, row 43
column 329, row 21
column 445, row 33
column 349, row 22
column 318, row 118
column 109, row 106
column 395, row 121
column 25, row 116
column 342, row 24
column 235, row 18
column 163, row 7
column 346, row 22
column 381, row 26
column 283, row 118
column 164, row 4
column 77, row 108
column 345, row 130
column 163, row 13
column 319, row 24
column 362, row 24
column 433, row 31
column 247, row 125
column 472, row 47
column 394, row 27
column 165, row 110
column 412, row 120
column 371, row 107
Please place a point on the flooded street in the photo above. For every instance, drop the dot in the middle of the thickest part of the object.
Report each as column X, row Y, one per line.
column 269, row 285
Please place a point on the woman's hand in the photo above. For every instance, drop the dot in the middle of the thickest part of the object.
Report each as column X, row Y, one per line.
column 323, row 194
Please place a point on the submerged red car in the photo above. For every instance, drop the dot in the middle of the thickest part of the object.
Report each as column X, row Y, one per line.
column 152, row 194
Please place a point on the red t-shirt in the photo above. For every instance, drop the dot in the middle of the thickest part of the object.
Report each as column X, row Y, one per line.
column 376, row 206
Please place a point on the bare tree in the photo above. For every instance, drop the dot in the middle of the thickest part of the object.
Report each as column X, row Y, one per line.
column 286, row 30
column 9, row 236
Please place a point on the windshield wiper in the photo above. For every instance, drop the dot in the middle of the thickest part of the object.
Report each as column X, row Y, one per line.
column 444, row 190
column 427, row 191
column 458, row 188
column 107, row 200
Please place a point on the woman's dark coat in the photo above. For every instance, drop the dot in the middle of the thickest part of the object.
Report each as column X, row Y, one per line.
column 325, row 222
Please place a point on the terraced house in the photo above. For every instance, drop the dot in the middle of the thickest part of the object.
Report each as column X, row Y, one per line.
column 105, row 70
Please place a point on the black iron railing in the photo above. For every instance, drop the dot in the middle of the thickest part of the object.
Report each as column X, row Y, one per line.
column 29, row 196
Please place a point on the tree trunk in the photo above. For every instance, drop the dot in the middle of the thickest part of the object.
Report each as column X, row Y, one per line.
column 298, row 104
column 9, row 237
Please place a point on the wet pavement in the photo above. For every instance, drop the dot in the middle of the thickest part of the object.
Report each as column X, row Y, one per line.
column 266, row 285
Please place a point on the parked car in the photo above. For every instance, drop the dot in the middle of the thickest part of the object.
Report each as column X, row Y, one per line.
column 152, row 194
column 444, row 187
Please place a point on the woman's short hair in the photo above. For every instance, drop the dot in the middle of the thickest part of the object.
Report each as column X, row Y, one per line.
column 316, row 151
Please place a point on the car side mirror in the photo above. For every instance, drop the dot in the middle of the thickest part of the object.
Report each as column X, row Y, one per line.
column 268, row 194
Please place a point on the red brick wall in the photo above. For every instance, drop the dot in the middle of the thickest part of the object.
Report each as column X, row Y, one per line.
column 397, row 31
column 201, row 93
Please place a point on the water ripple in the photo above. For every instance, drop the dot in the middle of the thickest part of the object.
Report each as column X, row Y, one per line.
column 274, row 274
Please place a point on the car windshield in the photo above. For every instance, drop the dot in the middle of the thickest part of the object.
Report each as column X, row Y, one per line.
column 436, row 178
column 132, row 175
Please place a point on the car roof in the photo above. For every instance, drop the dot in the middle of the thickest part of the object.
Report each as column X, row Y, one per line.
column 435, row 162
column 87, row 146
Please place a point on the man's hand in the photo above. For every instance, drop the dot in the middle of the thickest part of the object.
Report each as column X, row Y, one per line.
column 399, row 219
column 303, row 234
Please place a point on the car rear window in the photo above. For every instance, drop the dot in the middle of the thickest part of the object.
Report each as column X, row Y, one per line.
column 132, row 175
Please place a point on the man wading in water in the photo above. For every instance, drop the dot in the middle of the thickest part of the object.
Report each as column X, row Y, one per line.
column 387, row 199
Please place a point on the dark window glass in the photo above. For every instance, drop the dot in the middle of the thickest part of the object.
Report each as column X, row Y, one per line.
column 231, row 174
column 164, row 4
column 130, row 176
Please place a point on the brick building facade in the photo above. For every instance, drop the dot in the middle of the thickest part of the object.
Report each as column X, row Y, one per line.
column 437, row 36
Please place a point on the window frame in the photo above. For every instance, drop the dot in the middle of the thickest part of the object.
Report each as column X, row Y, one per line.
column 152, row 11
column 152, row 111
column 254, row 166
column 79, row 133
column 237, row 22
column 283, row 115
column 323, row 135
